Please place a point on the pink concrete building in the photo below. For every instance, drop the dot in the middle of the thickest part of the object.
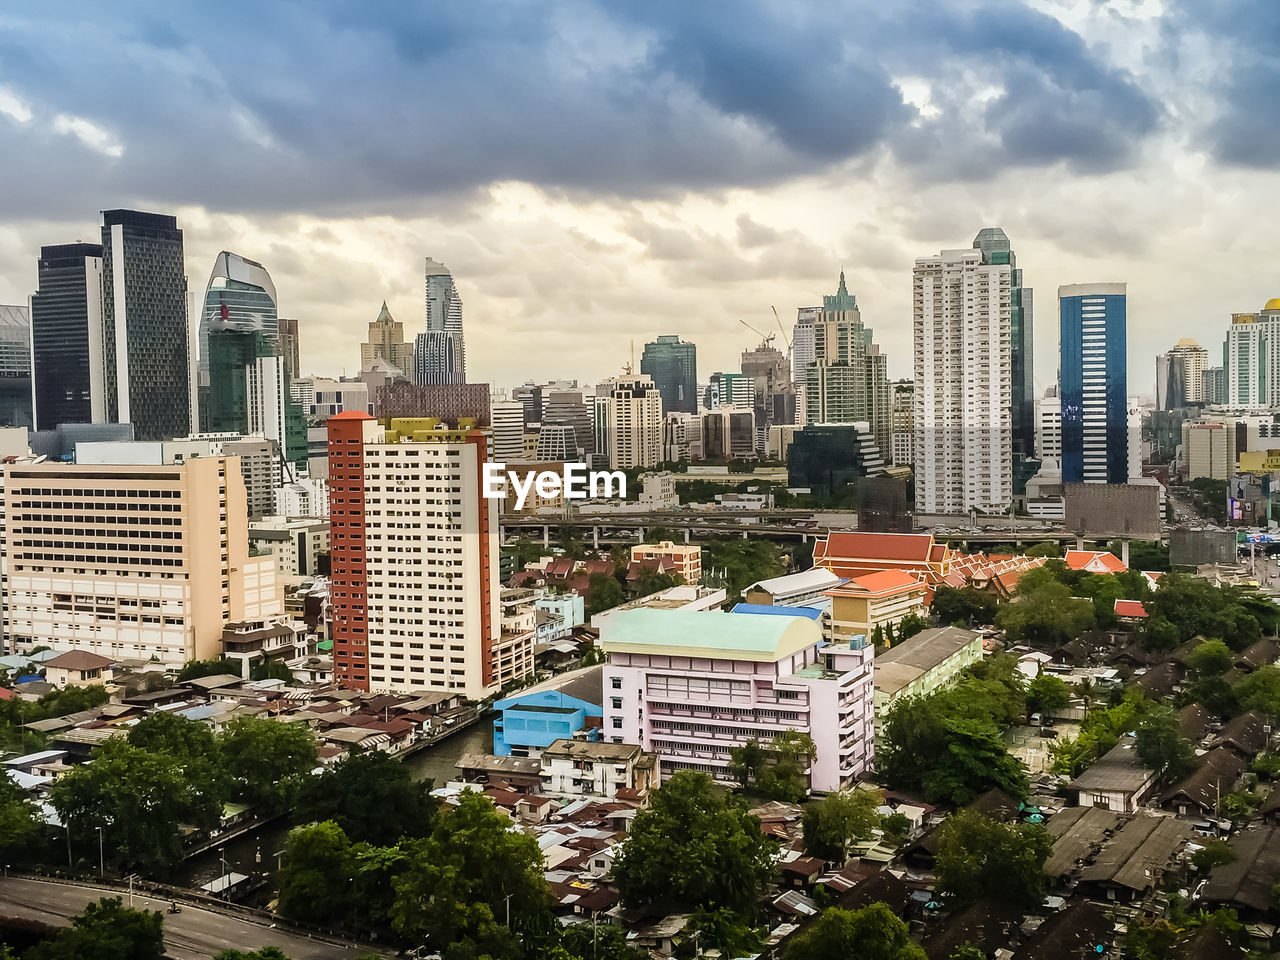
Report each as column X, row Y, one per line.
column 690, row 686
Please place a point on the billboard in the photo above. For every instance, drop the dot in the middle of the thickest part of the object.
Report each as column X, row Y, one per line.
column 1191, row 548
column 1125, row 510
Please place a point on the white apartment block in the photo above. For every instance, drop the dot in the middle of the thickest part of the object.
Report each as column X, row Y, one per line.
column 963, row 383
column 415, row 592
column 131, row 561
column 296, row 543
column 1049, row 427
column 635, row 423
column 507, row 418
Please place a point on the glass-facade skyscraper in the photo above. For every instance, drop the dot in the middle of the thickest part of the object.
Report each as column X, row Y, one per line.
column 66, row 336
column 672, row 364
column 244, row 373
column 145, row 341
column 1093, row 383
column 446, row 352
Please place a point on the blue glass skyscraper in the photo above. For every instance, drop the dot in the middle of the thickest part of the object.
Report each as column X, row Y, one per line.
column 1093, row 383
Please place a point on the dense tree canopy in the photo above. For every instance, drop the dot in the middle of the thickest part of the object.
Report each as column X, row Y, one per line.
column 1044, row 614
column 316, row 876
column 965, row 605
column 839, row 819
column 948, row 743
column 776, row 771
column 372, row 796
column 979, row 857
column 693, row 847
column 195, row 669
column 106, row 930
column 138, row 798
column 1161, row 745
column 872, row 933
column 461, row 883
column 266, row 761
column 19, row 823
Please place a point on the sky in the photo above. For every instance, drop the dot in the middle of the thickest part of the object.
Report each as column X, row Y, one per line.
column 598, row 173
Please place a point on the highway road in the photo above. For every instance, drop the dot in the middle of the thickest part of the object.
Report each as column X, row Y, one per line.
column 193, row 934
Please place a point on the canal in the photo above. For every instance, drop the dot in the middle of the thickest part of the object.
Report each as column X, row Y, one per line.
column 259, row 852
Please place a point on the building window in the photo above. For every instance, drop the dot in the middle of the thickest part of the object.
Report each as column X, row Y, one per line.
column 617, row 723
column 615, row 683
column 616, row 702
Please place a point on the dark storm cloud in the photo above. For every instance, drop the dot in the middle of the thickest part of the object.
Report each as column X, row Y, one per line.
column 1245, row 42
column 388, row 106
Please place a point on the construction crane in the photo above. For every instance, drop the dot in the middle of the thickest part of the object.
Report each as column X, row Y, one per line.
column 781, row 328
column 765, row 338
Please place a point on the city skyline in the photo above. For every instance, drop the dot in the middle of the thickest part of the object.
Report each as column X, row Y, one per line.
column 577, row 251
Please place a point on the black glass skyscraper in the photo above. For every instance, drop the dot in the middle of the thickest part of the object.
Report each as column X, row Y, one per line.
column 66, row 336
column 673, row 366
column 145, row 345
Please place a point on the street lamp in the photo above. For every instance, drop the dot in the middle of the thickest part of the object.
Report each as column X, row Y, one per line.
column 102, row 863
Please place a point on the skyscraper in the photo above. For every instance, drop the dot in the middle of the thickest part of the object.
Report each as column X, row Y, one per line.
column 447, row 359
column 415, row 596
column 15, row 367
column 287, row 330
column 995, row 247
column 245, row 385
column 634, row 423
column 1251, row 359
column 673, row 366
column 1093, row 383
column 66, row 336
column 847, row 381
column 386, row 342
column 240, row 296
column 803, row 353
column 146, row 337
column 963, row 383
column 1180, row 375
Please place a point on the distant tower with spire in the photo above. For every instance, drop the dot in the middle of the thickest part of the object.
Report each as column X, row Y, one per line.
column 386, row 342
column 847, row 379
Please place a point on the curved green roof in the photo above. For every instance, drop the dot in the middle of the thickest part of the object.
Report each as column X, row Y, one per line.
column 695, row 633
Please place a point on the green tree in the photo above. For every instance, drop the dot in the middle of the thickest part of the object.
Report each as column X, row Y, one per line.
column 19, row 821
column 965, row 605
column 267, row 760
column 837, row 820
column 138, row 799
column 1210, row 659
column 317, row 874
column 599, row 942
column 106, row 930
column 948, row 744
column 1214, row 853
column 195, row 669
column 979, row 857
column 693, row 847
column 603, row 593
column 372, row 796
column 1045, row 616
column 790, row 754
column 1149, row 939
column 1161, row 745
column 461, row 883
column 910, row 625
column 267, row 669
column 746, row 762
column 872, row 933
column 192, row 745
column 1260, row 691
column 722, row 930
column 968, row 951
column 1048, row 694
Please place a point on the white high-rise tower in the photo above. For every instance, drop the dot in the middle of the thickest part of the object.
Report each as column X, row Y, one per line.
column 963, row 383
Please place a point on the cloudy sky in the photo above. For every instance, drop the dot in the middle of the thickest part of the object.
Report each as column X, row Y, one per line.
column 597, row 173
